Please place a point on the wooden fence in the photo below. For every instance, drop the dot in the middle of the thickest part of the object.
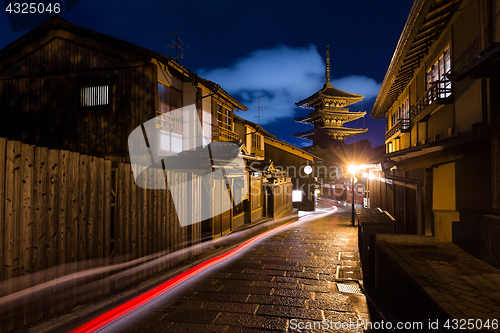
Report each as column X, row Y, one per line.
column 63, row 213
column 279, row 199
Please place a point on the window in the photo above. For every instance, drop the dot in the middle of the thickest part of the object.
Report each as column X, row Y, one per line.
column 438, row 74
column 404, row 109
column 169, row 119
column 224, row 117
column 256, row 140
column 169, row 102
column 404, row 114
column 169, row 98
column 94, row 96
column 207, row 126
column 394, row 119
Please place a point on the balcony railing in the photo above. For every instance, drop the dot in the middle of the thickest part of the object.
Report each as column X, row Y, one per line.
column 438, row 92
column 223, row 134
column 257, row 151
column 403, row 125
column 168, row 122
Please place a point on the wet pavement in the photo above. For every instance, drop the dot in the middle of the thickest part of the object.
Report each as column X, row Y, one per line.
column 303, row 279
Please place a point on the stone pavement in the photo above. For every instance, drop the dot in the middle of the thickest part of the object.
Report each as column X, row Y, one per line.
column 290, row 279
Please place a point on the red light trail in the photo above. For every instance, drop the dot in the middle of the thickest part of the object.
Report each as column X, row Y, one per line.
column 126, row 308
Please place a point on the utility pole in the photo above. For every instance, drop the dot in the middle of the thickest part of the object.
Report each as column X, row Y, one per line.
column 177, row 44
column 259, row 108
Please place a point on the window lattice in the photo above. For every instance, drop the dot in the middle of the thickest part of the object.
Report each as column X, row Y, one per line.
column 94, row 96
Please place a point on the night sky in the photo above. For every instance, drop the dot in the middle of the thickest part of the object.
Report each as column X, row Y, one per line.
column 272, row 48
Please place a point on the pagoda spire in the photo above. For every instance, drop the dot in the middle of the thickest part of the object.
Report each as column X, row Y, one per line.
column 327, row 69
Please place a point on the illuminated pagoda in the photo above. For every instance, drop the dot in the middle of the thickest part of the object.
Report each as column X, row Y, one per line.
column 329, row 113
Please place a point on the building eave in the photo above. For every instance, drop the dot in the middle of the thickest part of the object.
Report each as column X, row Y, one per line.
column 290, row 148
column 329, row 92
column 426, row 16
column 254, row 125
column 438, row 152
column 311, row 117
column 331, row 131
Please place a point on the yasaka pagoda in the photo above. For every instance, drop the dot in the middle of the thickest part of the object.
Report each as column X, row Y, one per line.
column 329, row 112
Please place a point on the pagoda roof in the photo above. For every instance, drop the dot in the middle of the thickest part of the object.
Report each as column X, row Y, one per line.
column 329, row 92
column 336, row 114
column 340, row 133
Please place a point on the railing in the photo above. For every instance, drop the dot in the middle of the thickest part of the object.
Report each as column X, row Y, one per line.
column 169, row 123
column 257, row 151
column 403, row 125
column 225, row 135
column 437, row 92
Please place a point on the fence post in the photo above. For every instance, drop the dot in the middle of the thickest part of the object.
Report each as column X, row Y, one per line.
column 3, row 147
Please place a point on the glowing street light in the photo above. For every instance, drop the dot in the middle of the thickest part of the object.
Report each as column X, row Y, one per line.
column 352, row 169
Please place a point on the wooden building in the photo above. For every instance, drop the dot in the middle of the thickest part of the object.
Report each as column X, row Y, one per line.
column 68, row 87
column 440, row 101
column 299, row 166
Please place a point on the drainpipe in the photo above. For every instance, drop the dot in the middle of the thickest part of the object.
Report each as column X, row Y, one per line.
column 419, row 199
column 485, row 32
column 484, row 106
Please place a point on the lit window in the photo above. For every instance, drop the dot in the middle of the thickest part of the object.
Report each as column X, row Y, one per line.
column 169, row 119
column 438, row 74
column 256, row 140
column 94, row 95
column 169, row 115
column 207, row 126
column 224, row 117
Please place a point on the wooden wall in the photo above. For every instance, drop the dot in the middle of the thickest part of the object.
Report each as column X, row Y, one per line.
column 279, row 199
column 63, row 212
column 40, row 98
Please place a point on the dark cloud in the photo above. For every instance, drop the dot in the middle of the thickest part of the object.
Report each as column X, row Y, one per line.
column 283, row 76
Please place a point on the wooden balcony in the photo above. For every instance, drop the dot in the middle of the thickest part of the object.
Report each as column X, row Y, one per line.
column 257, row 151
column 222, row 134
column 438, row 93
column 403, row 125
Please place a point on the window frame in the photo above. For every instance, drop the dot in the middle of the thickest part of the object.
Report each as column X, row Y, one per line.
column 439, row 70
column 169, row 99
column 256, row 140
column 224, row 117
column 95, row 84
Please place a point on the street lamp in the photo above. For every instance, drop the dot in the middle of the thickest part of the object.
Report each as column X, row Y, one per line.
column 352, row 170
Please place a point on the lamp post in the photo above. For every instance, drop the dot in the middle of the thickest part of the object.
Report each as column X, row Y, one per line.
column 352, row 171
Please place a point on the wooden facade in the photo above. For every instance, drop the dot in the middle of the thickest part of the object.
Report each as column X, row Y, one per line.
column 440, row 102
column 63, row 213
column 293, row 161
column 40, row 93
column 69, row 99
column 67, row 87
column 46, row 75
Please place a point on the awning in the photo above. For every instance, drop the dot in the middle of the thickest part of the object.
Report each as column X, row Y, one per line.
column 439, row 152
column 487, row 64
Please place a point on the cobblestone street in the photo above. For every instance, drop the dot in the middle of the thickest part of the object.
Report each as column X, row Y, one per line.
column 300, row 277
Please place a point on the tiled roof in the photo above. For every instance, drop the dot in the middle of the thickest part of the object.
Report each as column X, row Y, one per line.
column 328, row 91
